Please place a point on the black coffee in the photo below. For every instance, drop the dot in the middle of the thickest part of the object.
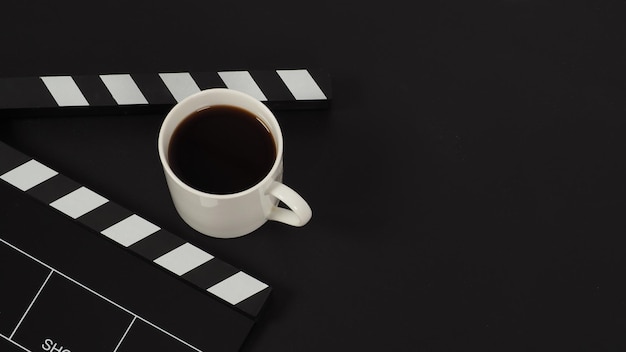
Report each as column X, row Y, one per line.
column 221, row 150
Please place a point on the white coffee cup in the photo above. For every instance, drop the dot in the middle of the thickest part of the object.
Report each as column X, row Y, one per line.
column 236, row 214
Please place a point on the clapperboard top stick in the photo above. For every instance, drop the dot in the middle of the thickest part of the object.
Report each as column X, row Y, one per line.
column 157, row 92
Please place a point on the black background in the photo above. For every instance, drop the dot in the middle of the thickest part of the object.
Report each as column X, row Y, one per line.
column 467, row 183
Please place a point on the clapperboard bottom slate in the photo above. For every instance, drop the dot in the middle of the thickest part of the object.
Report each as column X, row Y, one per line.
column 64, row 286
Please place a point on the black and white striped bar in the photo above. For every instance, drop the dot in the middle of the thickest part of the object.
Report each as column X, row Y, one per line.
column 133, row 232
column 150, row 93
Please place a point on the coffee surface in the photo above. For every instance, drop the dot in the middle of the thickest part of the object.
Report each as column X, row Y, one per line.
column 221, row 150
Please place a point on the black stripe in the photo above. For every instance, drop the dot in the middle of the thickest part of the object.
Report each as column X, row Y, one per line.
column 53, row 189
column 156, row 245
column 271, row 85
column 10, row 158
column 94, row 90
column 206, row 80
column 104, row 216
column 153, row 88
column 25, row 92
column 253, row 304
column 210, row 273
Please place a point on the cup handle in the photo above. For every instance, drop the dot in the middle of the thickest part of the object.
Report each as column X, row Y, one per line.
column 299, row 212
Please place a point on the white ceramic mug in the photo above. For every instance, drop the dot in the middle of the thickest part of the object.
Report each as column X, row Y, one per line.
column 236, row 214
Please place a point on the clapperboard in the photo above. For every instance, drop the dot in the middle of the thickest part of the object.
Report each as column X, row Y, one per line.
column 157, row 92
column 46, row 302
column 79, row 272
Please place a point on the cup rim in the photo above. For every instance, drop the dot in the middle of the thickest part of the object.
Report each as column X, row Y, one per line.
column 273, row 125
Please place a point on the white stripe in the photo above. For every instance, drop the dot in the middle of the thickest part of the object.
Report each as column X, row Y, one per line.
column 237, row 288
column 123, row 89
column 65, row 91
column 79, row 202
column 130, row 230
column 28, row 175
column 183, row 259
column 181, row 84
column 301, row 84
column 242, row 81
